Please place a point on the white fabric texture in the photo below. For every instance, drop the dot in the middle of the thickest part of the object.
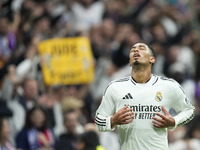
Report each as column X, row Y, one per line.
column 145, row 99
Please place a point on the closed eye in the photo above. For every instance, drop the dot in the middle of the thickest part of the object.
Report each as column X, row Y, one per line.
column 142, row 47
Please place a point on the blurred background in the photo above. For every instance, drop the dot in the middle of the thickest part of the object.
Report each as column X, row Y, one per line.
column 35, row 116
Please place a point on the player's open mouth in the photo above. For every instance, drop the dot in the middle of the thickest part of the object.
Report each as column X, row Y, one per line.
column 136, row 55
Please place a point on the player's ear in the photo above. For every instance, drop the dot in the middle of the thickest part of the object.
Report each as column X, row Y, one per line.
column 152, row 60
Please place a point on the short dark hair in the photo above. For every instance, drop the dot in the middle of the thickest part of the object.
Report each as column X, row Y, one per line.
column 90, row 138
column 149, row 46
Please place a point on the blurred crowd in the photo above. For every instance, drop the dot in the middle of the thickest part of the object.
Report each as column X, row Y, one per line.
column 34, row 116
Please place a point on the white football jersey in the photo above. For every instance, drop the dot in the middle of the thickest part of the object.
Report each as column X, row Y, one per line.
column 145, row 99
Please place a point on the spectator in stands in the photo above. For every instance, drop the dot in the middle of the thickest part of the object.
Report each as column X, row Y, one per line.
column 10, row 95
column 36, row 134
column 7, row 41
column 112, row 26
column 68, row 140
column 30, row 89
column 4, row 135
column 51, row 102
column 89, row 140
column 109, row 140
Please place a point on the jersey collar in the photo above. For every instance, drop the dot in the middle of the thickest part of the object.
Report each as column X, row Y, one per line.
column 151, row 81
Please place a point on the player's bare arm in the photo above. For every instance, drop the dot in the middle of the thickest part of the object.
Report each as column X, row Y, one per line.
column 123, row 116
column 166, row 120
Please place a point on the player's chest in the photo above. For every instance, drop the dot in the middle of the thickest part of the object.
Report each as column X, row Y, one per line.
column 145, row 96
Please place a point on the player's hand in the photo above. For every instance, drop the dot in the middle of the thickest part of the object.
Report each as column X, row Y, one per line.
column 164, row 121
column 123, row 116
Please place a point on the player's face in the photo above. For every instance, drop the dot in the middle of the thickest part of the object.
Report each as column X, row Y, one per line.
column 140, row 54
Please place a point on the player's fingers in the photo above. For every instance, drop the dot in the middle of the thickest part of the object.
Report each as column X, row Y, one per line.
column 158, row 124
column 127, row 114
column 124, row 112
column 122, row 121
column 129, row 117
column 127, row 121
column 127, row 110
column 159, row 120
column 155, row 125
column 126, row 117
column 125, row 107
column 164, row 110
column 161, row 116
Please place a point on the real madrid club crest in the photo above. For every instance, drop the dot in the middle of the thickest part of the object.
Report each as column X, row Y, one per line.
column 158, row 97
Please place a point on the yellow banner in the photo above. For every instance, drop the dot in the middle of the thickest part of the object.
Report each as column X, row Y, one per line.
column 66, row 61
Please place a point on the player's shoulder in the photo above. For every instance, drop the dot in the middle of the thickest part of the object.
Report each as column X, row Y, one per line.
column 163, row 78
column 168, row 81
column 118, row 82
column 173, row 84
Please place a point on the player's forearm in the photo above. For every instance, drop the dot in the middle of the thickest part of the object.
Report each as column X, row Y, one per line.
column 183, row 117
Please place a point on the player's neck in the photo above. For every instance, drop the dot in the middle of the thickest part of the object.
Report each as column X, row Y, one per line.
column 141, row 75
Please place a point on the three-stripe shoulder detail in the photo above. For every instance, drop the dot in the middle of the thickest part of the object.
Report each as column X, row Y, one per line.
column 167, row 79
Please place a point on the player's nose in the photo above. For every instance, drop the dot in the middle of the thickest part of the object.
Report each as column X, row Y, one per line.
column 135, row 50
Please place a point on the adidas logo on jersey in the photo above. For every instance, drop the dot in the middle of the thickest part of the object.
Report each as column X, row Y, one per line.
column 128, row 96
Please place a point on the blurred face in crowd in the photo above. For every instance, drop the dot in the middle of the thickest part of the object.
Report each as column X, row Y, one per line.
column 43, row 25
column 37, row 118
column 132, row 39
column 3, row 26
column 36, row 40
column 5, row 130
column 173, row 53
column 31, row 89
column 115, row 7
column 159, row 32
column 108, row 28
column 72, row 91
column 70, row 122
column 158, row 47
column 140, row 54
